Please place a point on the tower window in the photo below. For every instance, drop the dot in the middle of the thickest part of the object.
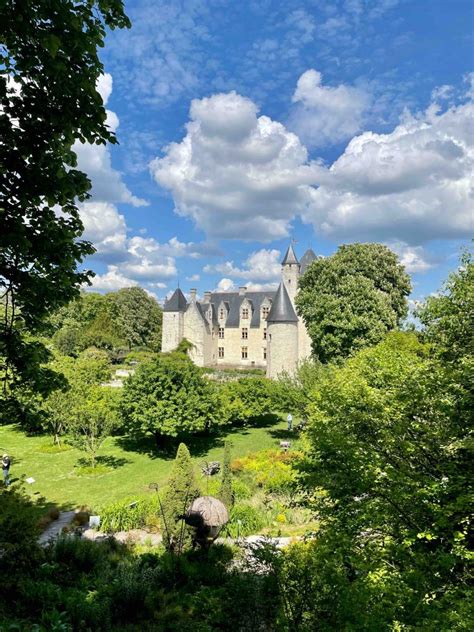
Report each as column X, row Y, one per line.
column 245, row 354
column 221, row 352
column 245, row 333
column 264, row 353
column 264, row 334
column 221, row 332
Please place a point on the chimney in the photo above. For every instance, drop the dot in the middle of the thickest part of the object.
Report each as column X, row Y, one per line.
column 207, row 296
column 192, row 292
column 242, row 290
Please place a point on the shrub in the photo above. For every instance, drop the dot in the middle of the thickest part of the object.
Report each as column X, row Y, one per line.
column 244, row 520
column 130, row 513
column 270, row 469
column 245, row 398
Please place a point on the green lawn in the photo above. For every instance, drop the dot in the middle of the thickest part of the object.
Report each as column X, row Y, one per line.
column 133, row 465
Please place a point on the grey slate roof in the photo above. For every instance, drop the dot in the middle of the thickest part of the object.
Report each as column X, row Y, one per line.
column 308, row 257
column 290, row 256
column 282, row 310
column 176, row 303
column 233, row 301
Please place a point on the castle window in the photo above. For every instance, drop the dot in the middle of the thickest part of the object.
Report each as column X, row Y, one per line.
column 222, row 314
column 264, row 334
column 264, row 353
column 221, row 332
column 245, row 312
column 245, row 333
column 265, row 312
column 245, row 354
column 221, row 352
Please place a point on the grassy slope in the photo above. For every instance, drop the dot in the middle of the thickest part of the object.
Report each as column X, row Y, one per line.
column 134, row 465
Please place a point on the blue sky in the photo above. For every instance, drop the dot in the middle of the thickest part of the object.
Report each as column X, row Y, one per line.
column 245, row 125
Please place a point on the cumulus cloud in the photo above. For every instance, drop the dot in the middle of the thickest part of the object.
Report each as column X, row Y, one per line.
column 263, row 265
column 105, row 227
column 415, row 259
column 325, row 115
column 413, row 184
column 236, row 174
column 111, row 280
column 96, row 161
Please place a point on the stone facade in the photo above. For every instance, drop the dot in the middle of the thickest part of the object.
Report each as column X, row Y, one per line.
column 242, row 329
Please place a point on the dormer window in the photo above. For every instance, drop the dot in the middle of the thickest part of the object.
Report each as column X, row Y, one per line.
column 265, row 312
column 245, row 312
column 222, row 313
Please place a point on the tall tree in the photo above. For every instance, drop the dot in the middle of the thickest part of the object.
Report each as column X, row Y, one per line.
column 139, row 317
column 351, row 299
column 49, row 100
column 181, row 492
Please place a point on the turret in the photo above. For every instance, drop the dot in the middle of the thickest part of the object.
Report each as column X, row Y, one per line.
column 290, row 271
column 282, row 334
column 173, row 321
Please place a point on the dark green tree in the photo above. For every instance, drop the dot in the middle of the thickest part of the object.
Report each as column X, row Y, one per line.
column 169, row 397
column 180, row 493
column 49, row 100
column 351, row 299
column 139, row 317
column 226, row 492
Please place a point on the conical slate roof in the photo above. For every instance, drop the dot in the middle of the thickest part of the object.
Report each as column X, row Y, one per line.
column 176, row 303
column 282, row 310
column 308, row 257
column 290, row 256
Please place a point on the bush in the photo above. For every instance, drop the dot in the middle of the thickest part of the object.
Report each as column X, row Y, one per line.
column 245, row 398
column 130, row 513
column 244, row 520
column 270, row 469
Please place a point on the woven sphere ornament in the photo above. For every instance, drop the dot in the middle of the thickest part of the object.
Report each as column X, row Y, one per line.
column 207, row 515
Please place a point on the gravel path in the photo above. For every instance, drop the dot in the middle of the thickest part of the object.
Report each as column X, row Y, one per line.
column 55, row 528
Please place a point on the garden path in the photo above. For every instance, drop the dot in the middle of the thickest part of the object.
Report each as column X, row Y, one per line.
column 55, row 528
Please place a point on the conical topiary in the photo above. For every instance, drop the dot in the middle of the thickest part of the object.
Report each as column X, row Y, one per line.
column 181, row 492
column 226, row 492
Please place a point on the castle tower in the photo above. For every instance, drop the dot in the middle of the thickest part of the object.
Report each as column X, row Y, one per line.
column 173, row 321
column 282, row 331
column 290, row 271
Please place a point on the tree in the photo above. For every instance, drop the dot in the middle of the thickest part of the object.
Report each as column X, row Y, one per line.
column 244, row 399
column 181, row 492
column 226, row 492
column 350, row 300
column 61, row 407
column 93, row 418
column 49, row 100
column 292, row 393
column 388, row 471
column 169, row 396
column 139, row 317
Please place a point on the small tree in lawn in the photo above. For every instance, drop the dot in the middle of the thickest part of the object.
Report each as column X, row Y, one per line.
column 182, row 490
column 226, row 493
column 94, row 418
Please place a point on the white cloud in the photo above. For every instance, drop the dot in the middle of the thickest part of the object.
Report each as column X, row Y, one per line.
column 96, row 161
column 225, row 285
column 415, row 259
column 105, row 227
column 413, row 184
column 324, row 115
column 112, row 280
column 235, row 174
column 263, row 265
column 193, row 277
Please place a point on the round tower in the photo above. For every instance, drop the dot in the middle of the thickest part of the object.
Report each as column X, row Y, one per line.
column 282, row 335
